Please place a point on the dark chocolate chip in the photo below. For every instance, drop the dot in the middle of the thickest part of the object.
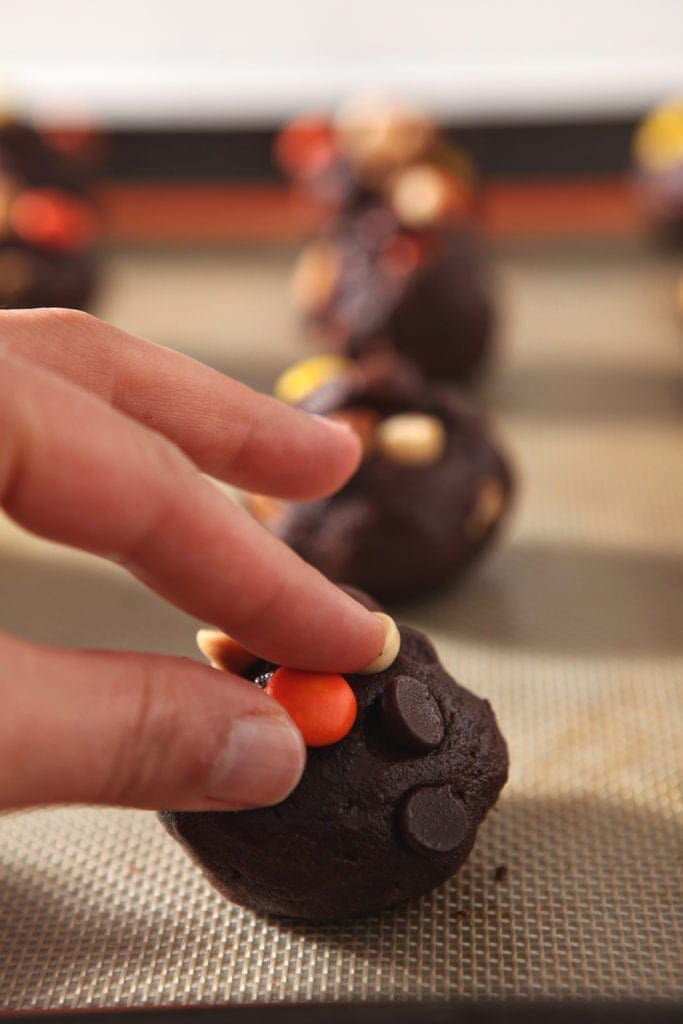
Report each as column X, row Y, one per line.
column 432, row 820
column 411, row 716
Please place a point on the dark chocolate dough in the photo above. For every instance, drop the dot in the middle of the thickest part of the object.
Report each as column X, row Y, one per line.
column 439, row 314
column 371, row 823
column 32, row 274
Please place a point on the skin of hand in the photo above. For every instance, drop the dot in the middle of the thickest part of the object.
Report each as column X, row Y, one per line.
column 104, row 440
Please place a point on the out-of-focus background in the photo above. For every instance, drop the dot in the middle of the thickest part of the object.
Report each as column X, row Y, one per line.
column 571, row 626
column 259, row 62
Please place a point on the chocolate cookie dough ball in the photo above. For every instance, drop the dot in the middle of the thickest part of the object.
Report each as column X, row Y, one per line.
column 658, row 156
column 46, row 239
column 39, row 158
column 429, row 495
column 384, row 814
column 47, row 223
column 369, row 284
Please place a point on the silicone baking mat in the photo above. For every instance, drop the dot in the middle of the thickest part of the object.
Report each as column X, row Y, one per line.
column 572, row 628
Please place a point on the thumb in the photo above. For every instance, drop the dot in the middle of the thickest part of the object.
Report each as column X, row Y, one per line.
column 138, row 730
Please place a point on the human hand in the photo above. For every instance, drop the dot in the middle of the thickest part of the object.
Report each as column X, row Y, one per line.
column 102, row 440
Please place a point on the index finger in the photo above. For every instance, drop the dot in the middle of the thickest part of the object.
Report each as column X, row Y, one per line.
column 77, row 471
column 227, row 429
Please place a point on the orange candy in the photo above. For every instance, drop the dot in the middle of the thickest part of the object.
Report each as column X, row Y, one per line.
column 47, row 217
column 304, row 145
column 363, row 421
column 322, row 705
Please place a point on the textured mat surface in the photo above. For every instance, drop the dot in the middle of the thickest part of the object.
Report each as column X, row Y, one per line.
column 572, row 629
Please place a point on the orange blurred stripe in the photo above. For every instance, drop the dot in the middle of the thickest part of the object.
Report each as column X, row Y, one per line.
column 197, row 213
column 181, row 213
column 512, row 209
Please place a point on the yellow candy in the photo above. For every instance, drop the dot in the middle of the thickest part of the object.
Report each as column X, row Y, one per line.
column 658, row 141
column 304, row 377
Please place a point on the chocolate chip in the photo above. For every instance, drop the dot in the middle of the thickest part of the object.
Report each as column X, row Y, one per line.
column 411, row 716
column 432, row 820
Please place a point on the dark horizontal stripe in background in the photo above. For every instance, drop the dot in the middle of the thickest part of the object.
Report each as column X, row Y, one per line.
column 530, row 150
column 394, row 1013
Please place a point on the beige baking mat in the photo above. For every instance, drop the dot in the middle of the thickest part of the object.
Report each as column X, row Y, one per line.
column 573, row 629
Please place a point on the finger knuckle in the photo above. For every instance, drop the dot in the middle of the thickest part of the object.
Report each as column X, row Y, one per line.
column 72, row 319
column 264, row 607
column 152, row 752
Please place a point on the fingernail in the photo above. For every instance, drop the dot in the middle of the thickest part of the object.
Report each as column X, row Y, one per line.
column 392, row 644
column 261, row 762
column 337, row 426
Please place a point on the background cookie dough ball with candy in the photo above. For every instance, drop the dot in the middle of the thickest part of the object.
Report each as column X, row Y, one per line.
column 48, row 223
column 429, row 495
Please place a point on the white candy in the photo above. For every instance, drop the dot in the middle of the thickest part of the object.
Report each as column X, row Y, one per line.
column 392, row 644
column 212, row 643
column 419, row 195
column 411, row 438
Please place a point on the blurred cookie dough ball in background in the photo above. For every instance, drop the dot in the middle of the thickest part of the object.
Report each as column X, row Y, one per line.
column 362, row 154
column 48, row 221
column 367, row 284
column 398, row 265
column 658, row 159
column 429, row 495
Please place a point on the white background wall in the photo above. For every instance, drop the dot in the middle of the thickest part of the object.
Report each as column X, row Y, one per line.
column 256, row 60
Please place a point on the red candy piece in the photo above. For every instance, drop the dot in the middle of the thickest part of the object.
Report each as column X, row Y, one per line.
column 322, row 705
column 47, row 217
column 304, row 145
